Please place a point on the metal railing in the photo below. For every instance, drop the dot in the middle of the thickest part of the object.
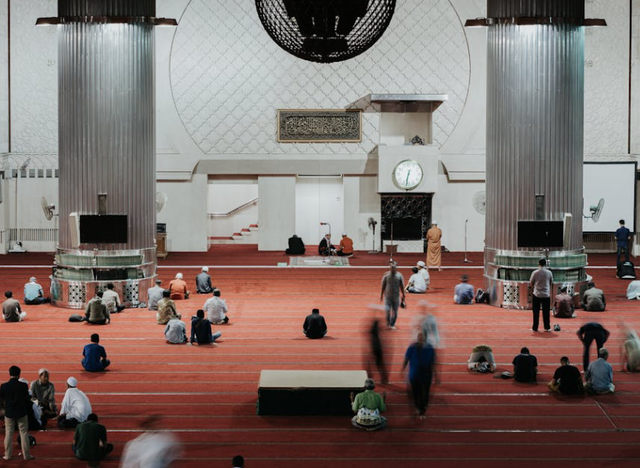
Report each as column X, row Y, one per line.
column 33, row 235
column 235, row 210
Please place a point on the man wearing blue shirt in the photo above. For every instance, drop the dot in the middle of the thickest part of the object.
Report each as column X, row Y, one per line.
column 463, row 292
column 623, row 238
column 94, row 356
column 599, row 375
column 421, row 358
column 33, row 294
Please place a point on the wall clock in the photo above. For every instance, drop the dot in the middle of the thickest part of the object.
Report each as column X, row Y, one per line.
column 407, row 174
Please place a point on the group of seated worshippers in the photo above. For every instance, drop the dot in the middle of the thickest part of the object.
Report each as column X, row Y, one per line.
column 419, row 280
column 176, row 331
column 345, row 249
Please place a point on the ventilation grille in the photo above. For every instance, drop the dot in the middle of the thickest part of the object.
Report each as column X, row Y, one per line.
column 33, row 235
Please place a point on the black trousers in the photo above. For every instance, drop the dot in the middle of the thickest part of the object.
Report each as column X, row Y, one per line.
column 421, row 387
column 545, row 303
column 589, row 337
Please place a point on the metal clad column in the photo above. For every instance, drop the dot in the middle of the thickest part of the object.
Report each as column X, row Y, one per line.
column 535, row 95
column 107, row 118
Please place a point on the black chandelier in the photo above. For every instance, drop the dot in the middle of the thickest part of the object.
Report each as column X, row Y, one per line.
column 325, row 30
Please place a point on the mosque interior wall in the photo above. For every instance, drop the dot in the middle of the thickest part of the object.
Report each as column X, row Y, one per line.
column 220, row 80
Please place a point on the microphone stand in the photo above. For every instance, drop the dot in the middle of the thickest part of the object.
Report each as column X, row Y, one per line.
column 466, row 260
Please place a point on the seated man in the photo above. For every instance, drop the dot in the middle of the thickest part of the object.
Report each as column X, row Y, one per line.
column 154, row 295
column 463, row 293
column 416, row 284
column 424, row 271
column 346, row 246
column 75, row 406
column 566, row 379
column 90, row 441
column 111, row 299
column 94, row 356
column 43, row 391
column 525, row 367
column 203, row 282
column 11, row 311
column 368, row 405
column 175, row 331
column 33, row 294
column 563, row 305
column 178, row 288
column 482, row 360
column 166, row 309
column 296, row 246
column 326, row 248
column 201, row 329
column 216, row 309
column 631, row 352
column 633, row 290
column 314, row 326
column 599, row 375
column 593, row 298
column 96, row 313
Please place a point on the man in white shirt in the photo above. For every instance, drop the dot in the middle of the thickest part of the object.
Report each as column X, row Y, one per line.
column 151, row 448
column 541, row 279
column 111, row 299
column 424, row 271
column 416, row 284
column 154, row 295
column 176, row 332
column 216, row 309
column 75, row 406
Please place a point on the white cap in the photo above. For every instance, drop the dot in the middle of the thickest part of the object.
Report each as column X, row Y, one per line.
column 72, row 382
column 205, row 268
column 179, row 275
column 32, row 279
column 434, row 222
column 344, row 233
column 421, row 264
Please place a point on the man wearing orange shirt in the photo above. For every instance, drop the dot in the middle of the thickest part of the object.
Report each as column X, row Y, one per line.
column 178, row 288
column 346, row 246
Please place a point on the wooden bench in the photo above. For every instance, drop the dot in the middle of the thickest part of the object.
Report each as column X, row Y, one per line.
column 305, row 392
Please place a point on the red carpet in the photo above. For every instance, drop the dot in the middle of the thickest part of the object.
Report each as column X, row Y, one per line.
column 207, row 395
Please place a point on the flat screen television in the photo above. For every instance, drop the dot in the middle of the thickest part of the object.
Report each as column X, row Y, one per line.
column 103, row 229
column 403, row 228
column 540, row 233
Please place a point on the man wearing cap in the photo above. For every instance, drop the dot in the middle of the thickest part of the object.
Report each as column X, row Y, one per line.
column 434, row 247
column 11, row 311
column 45, row 394
column 33, row 294
column 203, row 282
column 326, row 248
column 154, row 295
column 346, row 246
column 14, row 396
column 75, row 406
column 94, row 356
column 424, row 271
column 463, row 292
column 178, row 288
column 416, row 284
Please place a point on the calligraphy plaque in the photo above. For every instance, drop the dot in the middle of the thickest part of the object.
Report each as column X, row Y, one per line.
column 319, row 126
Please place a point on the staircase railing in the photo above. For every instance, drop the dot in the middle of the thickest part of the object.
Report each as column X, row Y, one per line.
column 234, row 211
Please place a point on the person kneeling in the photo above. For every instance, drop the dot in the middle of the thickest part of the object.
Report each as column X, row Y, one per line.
column 599, row 375
column 90, row 441
column 201, row 329
column 314, row 326
column 566, row 380
column 94, row 356
column 481, row 360
column 368, row 405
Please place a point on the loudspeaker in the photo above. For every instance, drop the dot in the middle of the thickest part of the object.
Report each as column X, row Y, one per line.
column 74, row 229
column 568, row 219
column 102, row 203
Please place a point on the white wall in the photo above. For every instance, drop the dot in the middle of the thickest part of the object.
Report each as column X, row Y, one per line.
column 185, row 214
column 227, row 195
column 361, row 202
column 319, row 201
column 277, row 212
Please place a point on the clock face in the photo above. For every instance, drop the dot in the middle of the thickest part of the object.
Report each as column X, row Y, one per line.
column 408, row 174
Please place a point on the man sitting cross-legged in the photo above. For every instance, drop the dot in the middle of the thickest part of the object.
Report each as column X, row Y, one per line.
column 201, row 329
column 566, row 379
